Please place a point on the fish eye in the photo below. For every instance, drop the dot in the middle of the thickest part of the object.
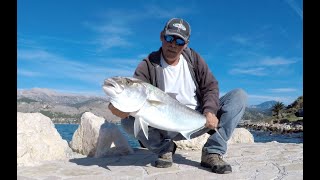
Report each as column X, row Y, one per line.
column 128, row 81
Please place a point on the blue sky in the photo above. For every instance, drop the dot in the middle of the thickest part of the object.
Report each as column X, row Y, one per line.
column 72, row 46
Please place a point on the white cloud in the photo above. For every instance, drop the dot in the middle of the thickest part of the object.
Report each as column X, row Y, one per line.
column 155, row 11
column 55, row 66
column 28, row 73
column 33, row 55
column 281, row 90
column 275, row 61
column 113, row 32
column 252, row 71
column 117, row 26
column 264, row 66
column 107, row 42
column 240, row 39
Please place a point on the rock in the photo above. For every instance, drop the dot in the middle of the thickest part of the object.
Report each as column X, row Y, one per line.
column 38, row 140
column 96, row 137
column 84, row 139
column 248, row 161
column 111, row 141
column 239, row 135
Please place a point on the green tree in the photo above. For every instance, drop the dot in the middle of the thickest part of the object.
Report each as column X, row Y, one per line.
column 277, row 108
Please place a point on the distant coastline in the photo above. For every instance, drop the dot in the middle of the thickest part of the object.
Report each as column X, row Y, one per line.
column 282, row 128
column 286, row 128
column 67, row 130
column 68, row 123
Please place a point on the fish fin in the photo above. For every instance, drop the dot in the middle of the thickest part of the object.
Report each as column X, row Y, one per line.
column 173, row 95
column 152, row 97
column 155, row 103
column 136, row 127
column 144, row 126
column 187, row 134
column 139, row 124
column 154, row 100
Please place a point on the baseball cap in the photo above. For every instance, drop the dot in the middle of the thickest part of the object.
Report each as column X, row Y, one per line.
column 178, row 27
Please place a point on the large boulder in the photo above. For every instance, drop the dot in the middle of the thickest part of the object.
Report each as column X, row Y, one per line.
column 84, row 140
column 239, row 135
column 111, row 141
column 96, row 137
column 38, row 140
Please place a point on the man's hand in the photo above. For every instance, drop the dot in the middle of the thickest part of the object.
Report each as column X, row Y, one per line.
column 117, row 112
column 212, row 120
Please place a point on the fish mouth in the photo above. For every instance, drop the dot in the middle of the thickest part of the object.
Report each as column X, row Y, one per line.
column 111, row 87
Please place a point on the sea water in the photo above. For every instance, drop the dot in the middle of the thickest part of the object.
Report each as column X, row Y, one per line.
column 67, row 130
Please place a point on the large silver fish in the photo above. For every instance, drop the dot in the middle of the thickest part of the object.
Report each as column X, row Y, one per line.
column 152, row 107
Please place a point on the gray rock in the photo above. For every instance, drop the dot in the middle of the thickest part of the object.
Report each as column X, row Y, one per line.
column 38, row 140
column 249, row 161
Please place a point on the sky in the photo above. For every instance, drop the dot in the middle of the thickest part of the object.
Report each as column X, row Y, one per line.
column 72, row 46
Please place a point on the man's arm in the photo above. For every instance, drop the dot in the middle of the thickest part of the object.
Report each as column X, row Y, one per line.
column 209, row 88
column 117, row 112
column 209, row 91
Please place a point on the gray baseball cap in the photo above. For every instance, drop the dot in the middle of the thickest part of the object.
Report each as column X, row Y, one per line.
column 178, row 27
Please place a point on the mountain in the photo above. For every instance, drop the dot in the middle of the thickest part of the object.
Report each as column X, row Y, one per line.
column 68, row 108
column 264, row 105
column 53, row 97
column 256, row 114
column 294, row 109
column 263, row 112
column 259, row 112
column 62, row 107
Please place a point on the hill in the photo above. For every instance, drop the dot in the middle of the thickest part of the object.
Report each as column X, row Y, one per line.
column 263, row 112
column 293, row 111
column 68, row 108
column 62, row 107
column 264, row 105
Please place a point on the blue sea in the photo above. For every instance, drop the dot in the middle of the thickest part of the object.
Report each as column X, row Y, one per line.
column 66, row 131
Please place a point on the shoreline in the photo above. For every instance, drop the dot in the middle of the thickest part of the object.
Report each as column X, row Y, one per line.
column 260, row 136
column 265, row 127
column 68, row 123
column 281, row 128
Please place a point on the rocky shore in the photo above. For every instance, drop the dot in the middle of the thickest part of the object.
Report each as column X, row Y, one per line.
column 98, row 150
column 249, row 161
column 282, row 127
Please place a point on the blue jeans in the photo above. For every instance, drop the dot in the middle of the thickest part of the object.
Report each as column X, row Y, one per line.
column 231, row 110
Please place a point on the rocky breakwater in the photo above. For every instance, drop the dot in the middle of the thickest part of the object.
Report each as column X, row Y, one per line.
column 282, row 127
column 98, row 150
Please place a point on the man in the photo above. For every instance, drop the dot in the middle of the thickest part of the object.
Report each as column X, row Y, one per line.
column 179, row 70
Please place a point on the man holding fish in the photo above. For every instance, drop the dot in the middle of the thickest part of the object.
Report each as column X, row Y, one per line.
column 182, row 74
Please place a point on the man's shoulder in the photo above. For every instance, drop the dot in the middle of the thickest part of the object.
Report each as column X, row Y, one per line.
column 189, row 49
column 190, row 54
column 154, row 57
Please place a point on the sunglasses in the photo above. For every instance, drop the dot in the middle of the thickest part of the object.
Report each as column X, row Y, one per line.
column 170, row 39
